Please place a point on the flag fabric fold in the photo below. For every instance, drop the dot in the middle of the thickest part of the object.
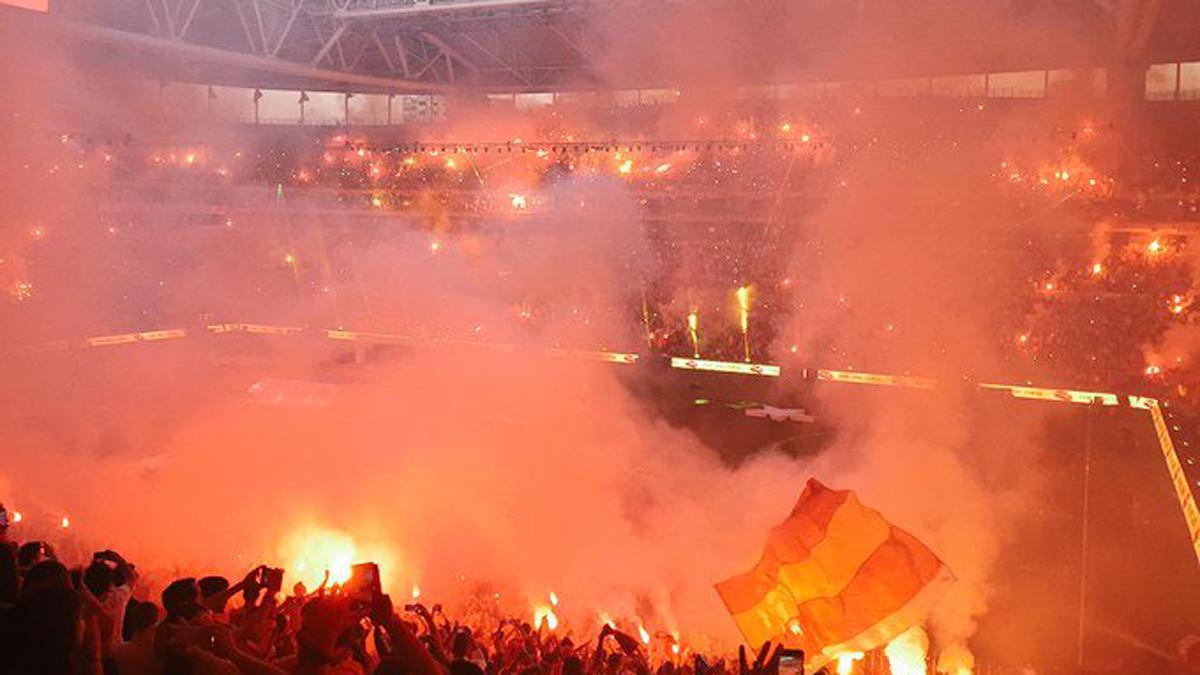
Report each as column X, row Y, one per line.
column 834, row 577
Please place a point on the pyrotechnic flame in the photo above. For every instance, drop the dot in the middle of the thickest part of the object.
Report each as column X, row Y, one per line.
column 625, row 167
column 553, row 599
column 451, row 164
column 1153, row 369
column 434, row 246
column 289, row 259
column 845, row 662
column 376, row 201
column 545, row 615
column 66, row 522
column 906, row 654
column 606, row 620
column 17, row 517
column 1154, row 247
column 693, row 323
column 1097, row 268
column 955, row 660
column 643, row 634
column 663, row 168
column 315, row 550
column 743, row 296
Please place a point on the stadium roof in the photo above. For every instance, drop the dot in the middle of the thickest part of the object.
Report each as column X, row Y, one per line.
column 555, row 45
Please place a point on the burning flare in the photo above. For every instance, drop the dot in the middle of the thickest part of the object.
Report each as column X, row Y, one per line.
column 313, row 551
column 845, row 662
column 955, row 660
column 693, row 323
column 906, row 654
column 545, row 615
column 743, row 297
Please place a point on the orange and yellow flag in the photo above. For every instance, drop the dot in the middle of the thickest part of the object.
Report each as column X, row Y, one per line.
column 835, row 577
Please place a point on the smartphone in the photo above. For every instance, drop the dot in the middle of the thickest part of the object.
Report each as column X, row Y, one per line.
column 791, row 661
column 363, row 585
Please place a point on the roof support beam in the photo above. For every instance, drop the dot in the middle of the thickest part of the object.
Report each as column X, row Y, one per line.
column 432, row 8
column 329, row 43
column 402, row 53
column 493, row 56
column 221, row 57
column 387, row 58
column 448, row 51
column 287, row 28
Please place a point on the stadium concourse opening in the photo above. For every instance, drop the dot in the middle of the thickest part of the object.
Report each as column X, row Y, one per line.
column 534, row 336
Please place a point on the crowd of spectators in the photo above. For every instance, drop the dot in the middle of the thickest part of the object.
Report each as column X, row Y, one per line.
column 100, row 618
column 722, row 206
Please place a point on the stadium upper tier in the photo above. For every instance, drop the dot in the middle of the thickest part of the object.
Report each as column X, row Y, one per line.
column 560, row 45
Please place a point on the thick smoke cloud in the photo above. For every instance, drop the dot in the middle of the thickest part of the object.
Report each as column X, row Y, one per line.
column 459, row 470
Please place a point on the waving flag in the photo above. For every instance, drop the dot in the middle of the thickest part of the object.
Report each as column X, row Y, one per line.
column 835, row 577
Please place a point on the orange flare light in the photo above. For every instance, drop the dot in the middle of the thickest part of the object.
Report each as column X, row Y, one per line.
column 845, row 662
column 906, row 654
column 314, row 551
column 545, row 616
column 743, row 297
column 693, row 324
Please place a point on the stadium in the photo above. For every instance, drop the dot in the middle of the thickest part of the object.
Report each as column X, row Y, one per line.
column 566, row 336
